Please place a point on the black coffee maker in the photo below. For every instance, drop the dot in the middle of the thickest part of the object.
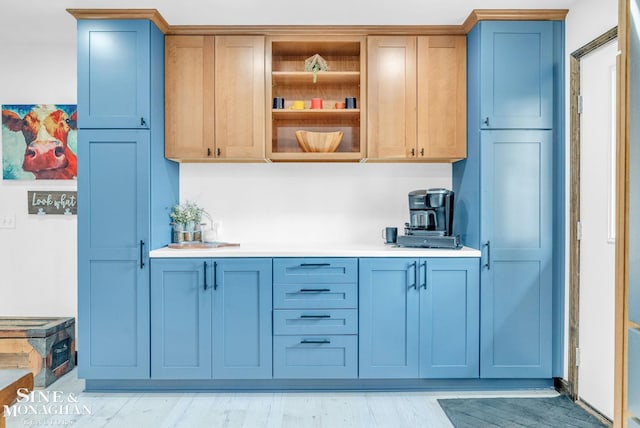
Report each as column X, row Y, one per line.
column 430, row 220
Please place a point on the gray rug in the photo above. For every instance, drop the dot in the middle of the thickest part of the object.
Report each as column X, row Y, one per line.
column 553, row 412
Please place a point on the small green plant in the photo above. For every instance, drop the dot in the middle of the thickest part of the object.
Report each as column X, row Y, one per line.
column 189, row 212
column 315, row 64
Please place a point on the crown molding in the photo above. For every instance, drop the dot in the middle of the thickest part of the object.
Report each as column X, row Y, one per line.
column 474, row 17
column 150, row 14
column 477, row 15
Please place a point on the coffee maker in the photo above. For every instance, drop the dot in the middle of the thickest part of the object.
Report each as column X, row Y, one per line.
column 430, row 220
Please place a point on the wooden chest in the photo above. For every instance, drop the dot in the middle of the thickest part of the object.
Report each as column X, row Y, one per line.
column 45, row 346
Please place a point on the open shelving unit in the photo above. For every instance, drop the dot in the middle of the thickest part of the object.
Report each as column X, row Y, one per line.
column 286, row 78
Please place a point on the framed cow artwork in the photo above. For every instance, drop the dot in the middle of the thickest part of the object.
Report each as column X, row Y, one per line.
column 39, row 141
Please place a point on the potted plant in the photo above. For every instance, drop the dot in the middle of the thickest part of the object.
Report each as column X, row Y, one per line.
column 186, row 221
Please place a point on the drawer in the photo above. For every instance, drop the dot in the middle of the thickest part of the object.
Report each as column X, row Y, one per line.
column 315, row 321
column 315, row 357
column 297, row 296
column 314, row 270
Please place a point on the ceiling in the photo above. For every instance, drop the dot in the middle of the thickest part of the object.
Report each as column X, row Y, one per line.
column 47, row 22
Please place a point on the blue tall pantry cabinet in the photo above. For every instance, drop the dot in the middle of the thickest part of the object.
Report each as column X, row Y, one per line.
column 510, row 193
column 125, row 186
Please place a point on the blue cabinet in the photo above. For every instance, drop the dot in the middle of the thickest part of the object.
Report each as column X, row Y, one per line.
column 181, row 307
column 510, row 189
column 114, row 72
column 242, row 330
column 124, row 188
column 211, row 318
column 315, row 318
column 418, row 318
column 516, row 75
column 113, row 239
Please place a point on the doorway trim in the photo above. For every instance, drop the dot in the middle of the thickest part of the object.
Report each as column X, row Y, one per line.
column 574, row 209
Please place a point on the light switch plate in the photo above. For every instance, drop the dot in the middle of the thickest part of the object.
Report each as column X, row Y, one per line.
column 8, row 221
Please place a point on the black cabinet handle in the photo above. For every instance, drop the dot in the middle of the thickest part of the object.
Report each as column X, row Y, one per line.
column 486, row 121
column 315, row 290
column 422, row 151
column 315, row 316
column 424, row 284
column 319, row 341
column 488, row 263
column 208, row 151
column 142, row 121
column 413, row 152
column 415, row 275
column 205, row 275
column 141, row 254
column 218, row 152
column 314, row 264
column 215, row 275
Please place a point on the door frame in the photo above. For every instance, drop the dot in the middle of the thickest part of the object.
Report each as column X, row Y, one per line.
column 574, row 215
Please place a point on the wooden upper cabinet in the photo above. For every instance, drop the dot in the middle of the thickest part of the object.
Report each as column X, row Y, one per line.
column 240, row 97
column 391, row 74
column 189, row 97
column 442, row 97
column 417, row 98
column 215, row 98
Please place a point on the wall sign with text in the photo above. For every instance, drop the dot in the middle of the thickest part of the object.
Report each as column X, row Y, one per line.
column 42, row 202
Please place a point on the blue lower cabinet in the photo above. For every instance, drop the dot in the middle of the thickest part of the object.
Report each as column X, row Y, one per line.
column 211, row 318
column 450, row 319
column 242, row 332
column 419, row 318
column 181, row 303
column 315, row 357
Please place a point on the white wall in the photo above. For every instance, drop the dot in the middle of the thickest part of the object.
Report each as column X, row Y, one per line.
column 303, row 202
column 38, row 257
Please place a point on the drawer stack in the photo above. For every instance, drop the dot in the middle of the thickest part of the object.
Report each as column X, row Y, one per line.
column 315, row 318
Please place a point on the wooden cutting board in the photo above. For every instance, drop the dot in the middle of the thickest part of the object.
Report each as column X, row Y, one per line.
column 196, row 245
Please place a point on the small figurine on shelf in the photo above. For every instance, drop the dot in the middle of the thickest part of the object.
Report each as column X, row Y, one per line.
column 315, row 64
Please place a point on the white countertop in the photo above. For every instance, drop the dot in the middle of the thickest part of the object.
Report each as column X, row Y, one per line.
column 312, row 250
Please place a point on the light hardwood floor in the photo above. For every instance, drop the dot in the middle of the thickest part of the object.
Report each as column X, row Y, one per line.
column 246, row 409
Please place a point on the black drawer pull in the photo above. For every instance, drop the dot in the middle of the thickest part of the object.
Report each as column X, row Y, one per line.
column 320, row 341
column 315, row 290
column 315, row 316
column 314, row 264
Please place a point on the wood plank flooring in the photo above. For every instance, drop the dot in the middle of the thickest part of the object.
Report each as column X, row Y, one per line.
column 240, row 410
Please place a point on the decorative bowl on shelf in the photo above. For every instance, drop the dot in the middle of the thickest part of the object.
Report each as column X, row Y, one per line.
column 324, row 142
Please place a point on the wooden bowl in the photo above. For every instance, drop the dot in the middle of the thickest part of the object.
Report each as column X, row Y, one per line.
column 324, row 142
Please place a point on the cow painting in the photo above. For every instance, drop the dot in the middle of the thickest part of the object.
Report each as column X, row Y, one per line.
column 38, row 142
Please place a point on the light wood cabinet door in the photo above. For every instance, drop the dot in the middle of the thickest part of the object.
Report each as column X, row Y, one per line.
column 391, row 94
column 240, row 97
column 189, row 97
column 442, row 95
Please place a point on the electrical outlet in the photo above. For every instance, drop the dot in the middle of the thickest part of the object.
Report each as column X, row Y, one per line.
column 8, row 221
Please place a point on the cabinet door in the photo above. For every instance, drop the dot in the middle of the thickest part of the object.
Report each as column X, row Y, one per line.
column 240, row 97
column 389, row 309
column 189, row 100
column 113, row 237
column 113, row 74
column 516, row 232
column 449, row 318
column 442, row 97
column 181, row 300
column 242, row 319
column 391, row 94
column 516, row 75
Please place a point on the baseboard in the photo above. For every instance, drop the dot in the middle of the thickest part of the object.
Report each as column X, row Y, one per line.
column 602, row 418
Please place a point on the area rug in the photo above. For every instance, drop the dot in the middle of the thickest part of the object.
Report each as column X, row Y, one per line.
column 553, row 412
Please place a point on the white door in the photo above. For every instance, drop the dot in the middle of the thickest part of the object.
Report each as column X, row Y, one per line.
column 597, row 218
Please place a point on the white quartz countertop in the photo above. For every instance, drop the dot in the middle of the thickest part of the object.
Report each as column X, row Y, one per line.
column 312, row 250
